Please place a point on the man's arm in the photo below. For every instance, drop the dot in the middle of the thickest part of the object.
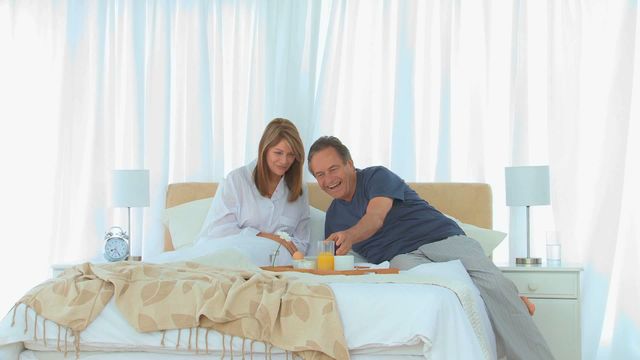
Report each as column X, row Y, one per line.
column 369, row 224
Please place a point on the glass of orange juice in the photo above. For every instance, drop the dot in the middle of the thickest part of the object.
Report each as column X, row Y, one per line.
column 325, row 255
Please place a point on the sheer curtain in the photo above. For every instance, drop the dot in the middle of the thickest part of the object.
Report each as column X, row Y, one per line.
column 434, row 90
column 30, row 59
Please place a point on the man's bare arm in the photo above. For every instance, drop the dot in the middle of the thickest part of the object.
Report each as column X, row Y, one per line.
column 371, row 222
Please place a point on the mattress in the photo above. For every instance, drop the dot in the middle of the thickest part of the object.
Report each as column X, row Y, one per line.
column 48, row 355
column 380, row 321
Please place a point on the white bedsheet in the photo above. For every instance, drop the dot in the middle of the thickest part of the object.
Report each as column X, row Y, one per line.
column 377, row 318
column 48, row 355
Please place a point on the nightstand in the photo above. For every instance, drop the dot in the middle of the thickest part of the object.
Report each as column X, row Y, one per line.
column 57, row 269
column 555, row 290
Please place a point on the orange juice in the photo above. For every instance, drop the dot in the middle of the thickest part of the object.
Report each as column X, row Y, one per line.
column 325, row 261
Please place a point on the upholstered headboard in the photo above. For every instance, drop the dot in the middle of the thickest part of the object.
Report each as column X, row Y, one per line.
column 470, row 203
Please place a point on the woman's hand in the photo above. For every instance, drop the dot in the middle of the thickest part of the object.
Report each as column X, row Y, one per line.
column 290, row 246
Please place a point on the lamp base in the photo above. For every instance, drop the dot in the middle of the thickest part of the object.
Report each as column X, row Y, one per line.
column 528, row 261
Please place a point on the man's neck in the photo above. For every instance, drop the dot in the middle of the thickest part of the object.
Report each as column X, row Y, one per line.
column 353, row 189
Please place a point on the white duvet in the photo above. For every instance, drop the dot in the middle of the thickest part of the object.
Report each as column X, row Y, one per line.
column 388, row 318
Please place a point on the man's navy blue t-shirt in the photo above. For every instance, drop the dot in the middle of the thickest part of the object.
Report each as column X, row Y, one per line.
column 410, row 223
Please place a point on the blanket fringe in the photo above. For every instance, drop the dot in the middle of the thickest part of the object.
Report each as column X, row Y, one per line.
column 76, row 343
column 58, row 345
column 66, row 332
column 15, row 308
column 26, row 319
column 35, row 328
column 223, row 348
column 231, row 346
column 74, row 333
column 206, row 341
column 197, row 335
column 44, row 331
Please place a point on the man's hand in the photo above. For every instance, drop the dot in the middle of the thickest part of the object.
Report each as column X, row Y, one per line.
column 368, row 225
column 343, row 241
column 290, row 246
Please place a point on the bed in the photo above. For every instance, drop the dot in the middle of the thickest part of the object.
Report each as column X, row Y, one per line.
column 432, row 311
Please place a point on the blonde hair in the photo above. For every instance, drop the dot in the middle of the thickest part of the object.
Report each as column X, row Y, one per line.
column 277, row 130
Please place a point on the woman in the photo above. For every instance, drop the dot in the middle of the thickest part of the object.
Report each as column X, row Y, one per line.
column 265, row 198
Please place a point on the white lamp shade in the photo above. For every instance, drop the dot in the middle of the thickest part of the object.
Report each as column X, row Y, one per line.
column 130, row 188
column 527, row 185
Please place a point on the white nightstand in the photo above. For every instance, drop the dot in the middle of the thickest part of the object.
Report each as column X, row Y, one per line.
column 57, row 269
column 555, row 290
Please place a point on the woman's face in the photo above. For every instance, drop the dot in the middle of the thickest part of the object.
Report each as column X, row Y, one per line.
column 279, row 158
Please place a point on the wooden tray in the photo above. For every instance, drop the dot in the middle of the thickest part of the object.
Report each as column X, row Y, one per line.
column 356, row 271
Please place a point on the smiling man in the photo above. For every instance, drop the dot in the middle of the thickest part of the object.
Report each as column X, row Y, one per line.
column 378, row 215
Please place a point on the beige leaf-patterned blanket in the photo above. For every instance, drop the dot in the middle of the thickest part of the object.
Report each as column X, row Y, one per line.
column 296, row 316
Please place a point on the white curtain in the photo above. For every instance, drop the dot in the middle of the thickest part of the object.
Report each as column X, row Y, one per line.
column 434, row 90
column 30, row 59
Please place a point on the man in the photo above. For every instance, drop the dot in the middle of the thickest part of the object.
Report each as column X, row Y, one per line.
column 375, row 213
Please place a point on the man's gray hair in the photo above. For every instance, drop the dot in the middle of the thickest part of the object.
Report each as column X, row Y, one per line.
column 324, row 142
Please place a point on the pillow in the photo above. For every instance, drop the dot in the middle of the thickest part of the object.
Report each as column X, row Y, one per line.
column 488, row 239
column 184, row 221
column 316, row 225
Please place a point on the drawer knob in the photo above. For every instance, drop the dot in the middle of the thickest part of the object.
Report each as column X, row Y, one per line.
column 533, row 286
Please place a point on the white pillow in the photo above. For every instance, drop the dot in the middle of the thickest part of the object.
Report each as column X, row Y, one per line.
column 488, row 239
column 184, row 221
column 316, row 225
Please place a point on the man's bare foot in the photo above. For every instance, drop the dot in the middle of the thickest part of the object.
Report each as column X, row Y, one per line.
column 530, row 306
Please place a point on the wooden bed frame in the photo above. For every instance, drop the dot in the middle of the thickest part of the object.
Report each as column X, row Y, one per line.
column 470, row 203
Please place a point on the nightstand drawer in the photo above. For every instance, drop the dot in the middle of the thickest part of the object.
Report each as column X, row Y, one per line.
column 545, row 283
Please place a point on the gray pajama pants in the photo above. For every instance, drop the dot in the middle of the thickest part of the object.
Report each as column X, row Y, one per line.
column 516, row 334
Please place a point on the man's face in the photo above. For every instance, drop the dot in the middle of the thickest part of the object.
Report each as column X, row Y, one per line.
column 334, row 176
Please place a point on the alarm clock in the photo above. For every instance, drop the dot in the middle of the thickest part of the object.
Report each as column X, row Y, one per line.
column 116, row 244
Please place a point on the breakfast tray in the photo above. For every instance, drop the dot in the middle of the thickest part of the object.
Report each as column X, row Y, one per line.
column 357, row 271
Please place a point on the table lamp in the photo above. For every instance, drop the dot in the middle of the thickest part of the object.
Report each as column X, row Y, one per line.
column 130, row 189
column 527, row 186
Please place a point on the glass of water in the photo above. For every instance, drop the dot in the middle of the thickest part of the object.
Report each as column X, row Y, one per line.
column 554, row 251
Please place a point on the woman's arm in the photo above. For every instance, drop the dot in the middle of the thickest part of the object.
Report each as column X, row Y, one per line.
column 289, row 245
column 297, row 234
column 222, row 218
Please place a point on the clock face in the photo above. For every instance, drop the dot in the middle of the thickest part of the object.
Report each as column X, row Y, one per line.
column 116, row 249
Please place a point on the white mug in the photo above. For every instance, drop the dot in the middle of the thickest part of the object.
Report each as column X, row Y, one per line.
column 343, row 262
